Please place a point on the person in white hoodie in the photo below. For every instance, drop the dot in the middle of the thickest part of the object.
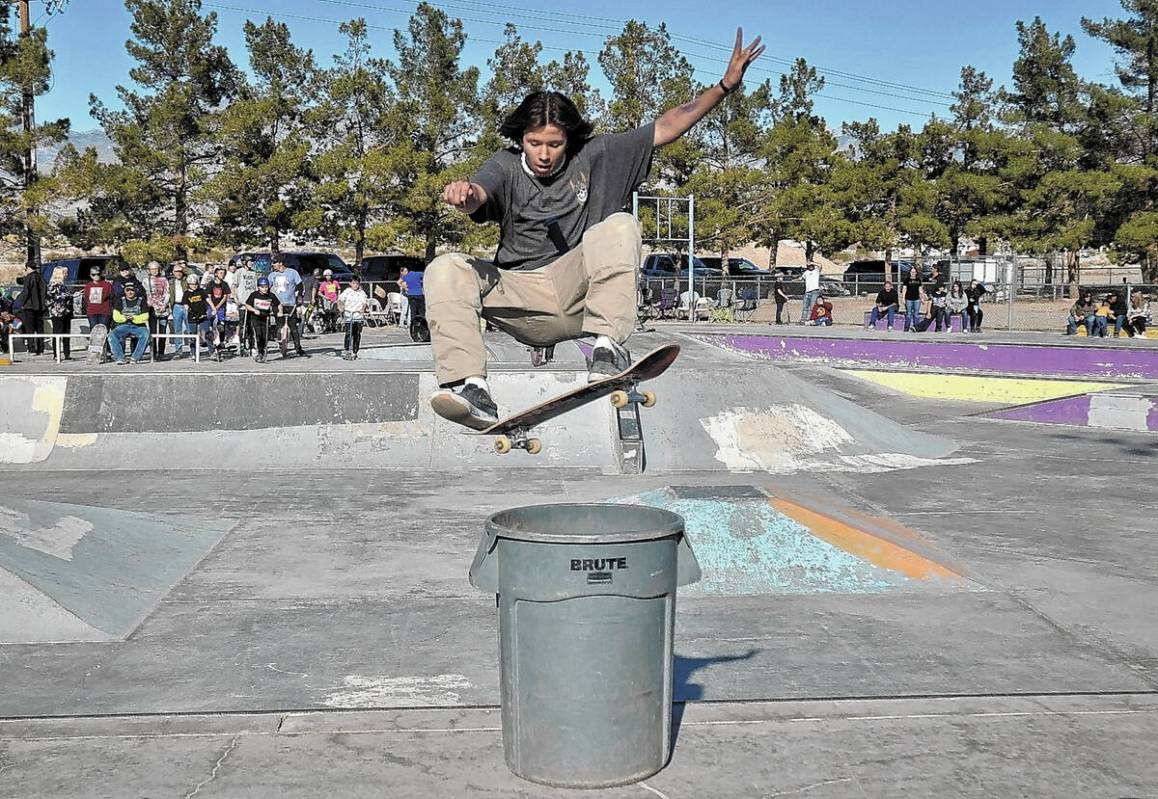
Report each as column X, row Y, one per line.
column 352, row 305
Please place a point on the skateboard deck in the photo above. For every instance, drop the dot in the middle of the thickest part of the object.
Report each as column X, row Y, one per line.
column 96, row 344
column 511, row 432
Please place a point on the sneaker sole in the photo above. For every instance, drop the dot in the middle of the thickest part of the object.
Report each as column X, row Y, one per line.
column 455, row 409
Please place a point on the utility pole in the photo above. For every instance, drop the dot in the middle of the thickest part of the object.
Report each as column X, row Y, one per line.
column 28, row 117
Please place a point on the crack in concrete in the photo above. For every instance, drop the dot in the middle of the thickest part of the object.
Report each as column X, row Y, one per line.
column 216, row 767
column 805, row 788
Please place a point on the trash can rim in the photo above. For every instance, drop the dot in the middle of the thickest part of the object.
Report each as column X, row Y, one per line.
column 540, row 525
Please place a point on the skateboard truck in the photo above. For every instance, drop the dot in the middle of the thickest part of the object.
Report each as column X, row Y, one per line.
column 621, row 399
column 518, row 439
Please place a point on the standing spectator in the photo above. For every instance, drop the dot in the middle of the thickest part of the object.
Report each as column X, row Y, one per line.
column 178, row 310
column 1139, row 317
column 780, row 296
column 217, row 294
column 207, row 276
column 936, row 280
column 157, row 296
column 98, row 300
column 939, row 300
column 231, row 276
column 974, row 294
column 261, row 307
column 352, row 304
column 33, row 301
column 956, row 303
column 328, row 291
column 131, row 318
column 913, row 291
column 310, row 285
column 196, row 311
column 126, row 276
column 411, row 285
column 286, row 284
column 1082, row 313
column 811, row 291
column 245, row 283
column 60, row 312
column 821, row 313
column 886, row 305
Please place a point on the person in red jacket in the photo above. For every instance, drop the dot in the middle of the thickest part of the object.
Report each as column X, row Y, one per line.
column 821, row 314
column 98, row 300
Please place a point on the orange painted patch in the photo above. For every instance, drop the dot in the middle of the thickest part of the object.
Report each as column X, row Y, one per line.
column 875, row 550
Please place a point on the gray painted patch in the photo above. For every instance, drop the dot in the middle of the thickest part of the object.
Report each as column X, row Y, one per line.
column 108, row 568
column 186, row 403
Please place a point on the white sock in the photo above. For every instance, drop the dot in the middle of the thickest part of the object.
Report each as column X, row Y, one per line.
column 605, row 343
column 481, row 382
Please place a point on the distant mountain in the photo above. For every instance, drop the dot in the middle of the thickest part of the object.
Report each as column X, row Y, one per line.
column 81, row 140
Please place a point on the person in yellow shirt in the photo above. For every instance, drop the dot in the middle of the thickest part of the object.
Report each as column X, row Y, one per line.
column 1102, row 317
column 130, row 318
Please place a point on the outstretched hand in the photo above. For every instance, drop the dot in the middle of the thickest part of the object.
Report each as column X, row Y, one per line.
column 463, row 195
column 742, row 58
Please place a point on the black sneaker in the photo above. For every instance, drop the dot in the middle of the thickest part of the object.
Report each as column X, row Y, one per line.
column 607, row 359
column 469, row 405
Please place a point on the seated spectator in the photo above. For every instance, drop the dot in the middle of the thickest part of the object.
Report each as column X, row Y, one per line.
column 1120, row 311
column 821, row 313
column 1139, row 317
column 130, row 318
column 1102, row 317
column 973, row 294
column 886, row 305
column 1082, row 313
column 9, row 323
column 940, row 307
column 928, row 317
column 956, row 304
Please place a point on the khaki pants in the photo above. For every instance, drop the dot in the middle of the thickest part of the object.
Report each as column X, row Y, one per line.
column 588, row 290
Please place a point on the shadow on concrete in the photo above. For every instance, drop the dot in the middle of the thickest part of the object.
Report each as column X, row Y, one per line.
column 687, row 691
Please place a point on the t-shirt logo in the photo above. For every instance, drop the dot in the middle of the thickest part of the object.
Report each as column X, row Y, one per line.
column 579, row 184
column 95, row 295
column 262, row 305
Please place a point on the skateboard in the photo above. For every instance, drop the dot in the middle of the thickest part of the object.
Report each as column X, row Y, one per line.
column 96, row 344
column 623, row 388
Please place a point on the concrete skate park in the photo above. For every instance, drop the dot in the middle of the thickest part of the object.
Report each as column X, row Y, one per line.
column 928, row 568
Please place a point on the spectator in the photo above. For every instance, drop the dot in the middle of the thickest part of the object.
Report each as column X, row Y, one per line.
column 913, row 292
column 196, row 311
column 939, row 300
column 928, row 318
column 1120, row 311
column 821, row 313
column 328, row 291
column 33, row 301
column 216, row 295
column 178, row 310
column 60, row 312
column 206, row 276
column 411, row 285
column 886, row 305
column 131, row 318
column 126, row 276
column 245, row 284
column 974, row 294
column 261, row 308
column 157, row 297
column 780, row 296
column 1082, row 313
column 936, row 280
column 1139, row 316
column 97, row 300
column 811, row 291
column 286, row 283
column 8, row 322
column 231, row 276
column 1102, row 316
column 956, row 303
column 352, row 303
column 310, row 285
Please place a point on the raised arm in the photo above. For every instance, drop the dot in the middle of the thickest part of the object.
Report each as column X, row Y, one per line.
column 677, row 121
column 465, row 196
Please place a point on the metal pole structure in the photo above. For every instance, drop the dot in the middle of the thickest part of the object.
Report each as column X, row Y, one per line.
column 1009, row 295
column 27, row 114
column 692, row 255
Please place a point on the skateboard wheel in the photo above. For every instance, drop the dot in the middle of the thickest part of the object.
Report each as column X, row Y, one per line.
column 648, row 399
column 534, row 446
column 619, row 399
column 502, row 445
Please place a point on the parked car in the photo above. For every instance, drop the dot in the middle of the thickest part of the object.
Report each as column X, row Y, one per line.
column 832, row 287
column 666, row 264
column 387, row 268
column 304, row 261
column 737, row 267
column 80, row 269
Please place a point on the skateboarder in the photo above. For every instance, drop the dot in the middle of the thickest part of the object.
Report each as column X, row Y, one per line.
column 261, row 306
column 568, row 257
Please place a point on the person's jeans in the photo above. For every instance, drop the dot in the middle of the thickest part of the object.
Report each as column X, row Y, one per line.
column 353, row 340
column 178, row 325
column 825, row 322
column 976, row 315
column 875, row 315
column 204, row 331
column 1119, row 320
column 121, row 332
column 964, row 320
column 62, row 325
column 1073, row 322
column 912, row 313
column 809, row 301
column 779, row 311
column 942, row 319
column 1099, row 327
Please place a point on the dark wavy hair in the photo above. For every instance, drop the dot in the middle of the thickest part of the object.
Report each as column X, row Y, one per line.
column 547, row 108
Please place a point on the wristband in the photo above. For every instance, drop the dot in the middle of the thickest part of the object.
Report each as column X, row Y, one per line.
column 724, row 88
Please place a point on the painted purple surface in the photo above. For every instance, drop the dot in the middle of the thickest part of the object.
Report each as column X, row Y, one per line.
column 937, row 353
column 1152, row 416
column 1068, row 410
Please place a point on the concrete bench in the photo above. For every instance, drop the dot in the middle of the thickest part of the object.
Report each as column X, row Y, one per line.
column 899, row 322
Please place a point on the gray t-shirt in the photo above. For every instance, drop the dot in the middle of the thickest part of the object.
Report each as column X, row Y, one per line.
column 594, row 183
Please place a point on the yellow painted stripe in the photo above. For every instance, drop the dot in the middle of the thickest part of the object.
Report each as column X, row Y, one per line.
column 866, row 546
column 974, row 388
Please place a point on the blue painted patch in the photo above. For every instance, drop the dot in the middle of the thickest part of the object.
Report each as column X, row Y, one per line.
column 747, row 547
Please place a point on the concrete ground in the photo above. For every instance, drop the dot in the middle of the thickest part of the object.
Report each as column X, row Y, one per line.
column 319, row 637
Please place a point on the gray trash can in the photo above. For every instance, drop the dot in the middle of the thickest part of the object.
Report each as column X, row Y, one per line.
column 586, row 598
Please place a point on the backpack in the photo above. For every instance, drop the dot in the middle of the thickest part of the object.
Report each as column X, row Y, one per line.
column 419, row 330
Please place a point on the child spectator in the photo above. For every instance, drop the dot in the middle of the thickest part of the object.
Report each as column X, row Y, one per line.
column 1082, row 313
column 328, row 291
column 217, row 294
column 352, row 304
column 131, row 318
column 261, row 308
column 821, row 313
column 197, row 311
column 956, row 303
column 60, row 312
column 887, row 303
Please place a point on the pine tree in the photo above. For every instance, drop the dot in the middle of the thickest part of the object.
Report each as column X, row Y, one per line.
column 1046, row 88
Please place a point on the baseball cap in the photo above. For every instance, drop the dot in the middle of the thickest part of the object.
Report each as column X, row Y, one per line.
column 263, row 281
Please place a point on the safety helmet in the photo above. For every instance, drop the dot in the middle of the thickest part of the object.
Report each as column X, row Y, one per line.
column 328, row 273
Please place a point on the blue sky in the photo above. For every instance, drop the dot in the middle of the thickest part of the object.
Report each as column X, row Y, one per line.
column 906, row 49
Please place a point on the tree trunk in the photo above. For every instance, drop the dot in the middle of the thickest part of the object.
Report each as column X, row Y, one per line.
column 773, row 252
column 1073, row 269
column 274, row 242
column 430, row 248
column 809, row 249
